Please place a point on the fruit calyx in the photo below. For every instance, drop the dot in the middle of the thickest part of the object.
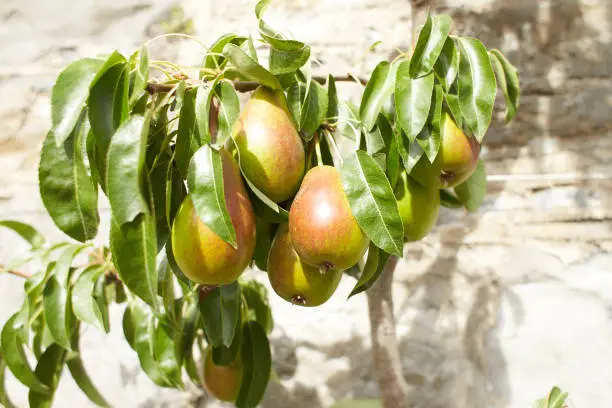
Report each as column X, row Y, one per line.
column 325, row 267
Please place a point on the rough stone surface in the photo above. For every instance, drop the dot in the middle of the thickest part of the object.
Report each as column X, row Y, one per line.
column 493, row 308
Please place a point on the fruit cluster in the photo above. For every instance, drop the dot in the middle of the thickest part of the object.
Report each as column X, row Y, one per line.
column 322, row 237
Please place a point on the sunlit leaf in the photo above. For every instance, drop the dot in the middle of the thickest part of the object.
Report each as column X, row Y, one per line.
column 377, row 91
column 412, row 100
column 508, row 81
column 429, row 44
column 49, row 370
column 257, row 364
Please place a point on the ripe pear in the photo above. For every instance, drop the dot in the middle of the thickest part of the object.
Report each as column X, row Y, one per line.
column 456, row 160
column 223, row 382
column 323, row 229
column 200, row 253
column 295, row 280
column 418, row 207
column 271, row 150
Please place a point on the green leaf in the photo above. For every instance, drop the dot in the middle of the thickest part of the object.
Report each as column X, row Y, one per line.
column 391, row 151
column 410, row 152
column 165, row 282
column 214, row 61
column 83, row 303
column 163, row 353
column 67, row 191
column 349, row 115
column 80, row 376
column 188, row 138
column 296, row 95
column 248, row 67
column 64, row 261
column 258, row 304
column 369, row 270
column 220, row 311
column 332, row 99
column 372, row 202
column 203, row 102
column 263, row 242
column 126, row 170
column 375, row 142
column 429, row 45
column 447, row 65
column 69, row 95
column 449, row 200
column 49, row 370
column 99, row 295
column 205, row 181
column 137, row 329
column 229, row 110
column 257, row 365
column 4, row 398
column 15, row 358
column 174, row 266
column 285, row 61
column 477, row 86
column 412, row 100
column 25, row 231
column 187, row 334
column 134, row 248
column 260, row 7
column 249, row 47
column 556, row 398
column 222, row 355
column 175, row 193
column 376, row 93
column 429, row 138
column 452, row 101
column 58, row 313
column 314, row 109
column 108, row 108
column 472, row 192
column 141, row 75
column 508, row 81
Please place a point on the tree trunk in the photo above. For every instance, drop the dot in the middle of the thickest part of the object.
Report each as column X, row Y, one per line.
column 385, row 351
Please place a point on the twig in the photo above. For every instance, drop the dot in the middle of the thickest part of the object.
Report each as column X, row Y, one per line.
column 15, row 272
column 248, row 86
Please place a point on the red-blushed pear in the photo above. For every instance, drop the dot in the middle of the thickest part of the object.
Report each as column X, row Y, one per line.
column 295, row 280
column 418, row 205
column 223, row 382
column 200, row 253
column 456, row 160
column 323, row 229
column 271, row 150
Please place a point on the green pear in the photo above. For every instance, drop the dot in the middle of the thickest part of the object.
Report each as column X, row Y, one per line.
column 295, row 280
column 271, row 150
column 418, row 205
column 200, row 253
column 456, row 160
column 323, row 229
column 223, row 382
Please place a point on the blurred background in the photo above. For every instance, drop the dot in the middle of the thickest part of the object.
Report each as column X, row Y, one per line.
column 493, row 308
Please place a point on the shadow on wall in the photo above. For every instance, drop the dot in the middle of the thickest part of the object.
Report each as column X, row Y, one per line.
column 563, row 62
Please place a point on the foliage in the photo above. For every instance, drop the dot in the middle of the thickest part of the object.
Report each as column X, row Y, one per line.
column 146, row 144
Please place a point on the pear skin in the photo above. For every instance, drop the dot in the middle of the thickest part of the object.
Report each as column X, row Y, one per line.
column 223, row 382
column 271, row 150
column 419, row 207
column 456, row 160
column 200, row 253
column 295, row 280
column 323, row 229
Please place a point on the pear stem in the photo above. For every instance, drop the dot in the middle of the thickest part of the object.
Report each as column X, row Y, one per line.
column 318, row 149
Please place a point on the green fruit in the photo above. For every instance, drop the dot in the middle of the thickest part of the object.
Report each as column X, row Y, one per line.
column 271, row 150
column 322, row 227
column 418, row 207
column 456, row 160
column 223, row 382
column 295, row 280
column 200, row 253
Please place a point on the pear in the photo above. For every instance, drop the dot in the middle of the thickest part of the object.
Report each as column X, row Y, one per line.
column 223, row 382
column 271, row 150
column 200, row 253
column 294, row 280
column 418, row 207
column 456, row 160
column 323, row 230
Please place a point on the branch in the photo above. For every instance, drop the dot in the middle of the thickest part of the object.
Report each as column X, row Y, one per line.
column 248, row 86
column 385, row 351
column 15, row 272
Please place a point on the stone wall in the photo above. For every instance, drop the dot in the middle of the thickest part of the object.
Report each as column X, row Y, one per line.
column 493, row 308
